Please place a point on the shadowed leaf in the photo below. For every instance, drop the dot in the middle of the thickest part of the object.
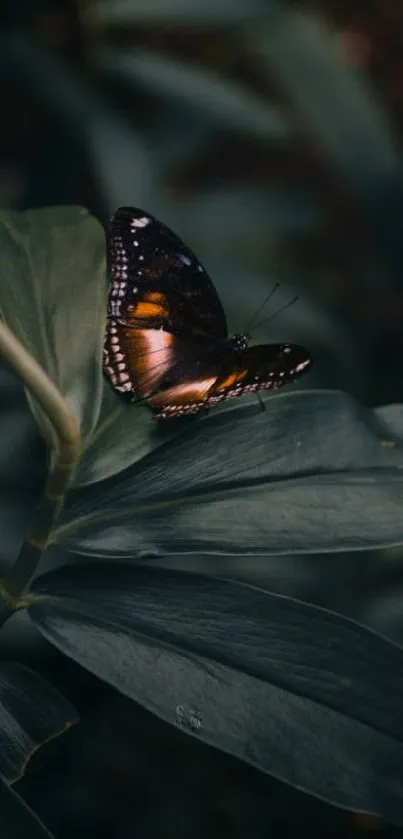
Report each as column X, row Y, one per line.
column 303, row 694
column 16, row 819
column 32, row 712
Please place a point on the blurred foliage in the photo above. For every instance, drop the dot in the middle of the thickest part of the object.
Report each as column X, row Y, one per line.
column 269, row 134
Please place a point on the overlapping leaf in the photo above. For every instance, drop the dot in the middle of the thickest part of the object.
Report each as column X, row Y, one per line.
column 53, row 297
column 305, row 695
column 124, row 434
column 32, row 712
column 16, row 819
column 312, row 473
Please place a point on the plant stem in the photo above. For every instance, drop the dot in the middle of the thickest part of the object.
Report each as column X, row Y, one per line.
column 66, row 456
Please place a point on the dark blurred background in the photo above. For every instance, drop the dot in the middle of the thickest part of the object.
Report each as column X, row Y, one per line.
column 269, row 135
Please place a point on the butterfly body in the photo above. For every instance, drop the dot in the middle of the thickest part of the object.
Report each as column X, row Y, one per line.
column 167, row 339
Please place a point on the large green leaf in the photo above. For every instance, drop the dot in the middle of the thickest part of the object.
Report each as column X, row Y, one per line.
column 17, row 821
column 32, row 712
column 303, row 694
column 53, row 297
column 312, row 473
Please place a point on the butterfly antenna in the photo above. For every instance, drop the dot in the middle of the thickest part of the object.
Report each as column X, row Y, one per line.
column 266, row 300
column 279, row 312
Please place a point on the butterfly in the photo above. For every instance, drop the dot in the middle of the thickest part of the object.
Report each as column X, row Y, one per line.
column 167, row 339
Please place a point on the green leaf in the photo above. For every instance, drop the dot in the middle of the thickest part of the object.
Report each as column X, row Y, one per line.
column 16, row 819
column 125, row 434
column 53, row 297
column 301, row 693
column 339, row 109
column 208, row 95
column 340, row 113
column 391, row 418
column 32, row 712
column 310, row 474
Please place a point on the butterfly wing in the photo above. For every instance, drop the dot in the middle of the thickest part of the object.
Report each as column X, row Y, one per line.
column 139, row 361
column 162, row 304
column 258, row 368
column 157, row 280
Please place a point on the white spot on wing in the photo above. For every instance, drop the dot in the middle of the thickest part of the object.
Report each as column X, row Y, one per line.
column 161, row 358
column 302, row 366
column 142, row 221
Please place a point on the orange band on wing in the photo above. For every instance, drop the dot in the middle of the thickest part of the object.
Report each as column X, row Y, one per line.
column 149, row 353
column 232, row 379
column 186, row 398
column 147, row 310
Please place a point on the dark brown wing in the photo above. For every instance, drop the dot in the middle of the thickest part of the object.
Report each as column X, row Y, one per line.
column 138, row 361
column 258, row 368
column 262, row 367
column 157, row 281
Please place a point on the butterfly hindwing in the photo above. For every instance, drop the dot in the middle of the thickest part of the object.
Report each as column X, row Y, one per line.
column 142, row 361
column 262, row 367
column 255, row 369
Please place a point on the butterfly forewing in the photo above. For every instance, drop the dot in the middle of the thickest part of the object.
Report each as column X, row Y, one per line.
column 157, row 280
column 166, row 339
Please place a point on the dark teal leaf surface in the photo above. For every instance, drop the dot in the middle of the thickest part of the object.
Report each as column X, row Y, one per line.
column 312, row 473
column 303, row 694
column 32, row 712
